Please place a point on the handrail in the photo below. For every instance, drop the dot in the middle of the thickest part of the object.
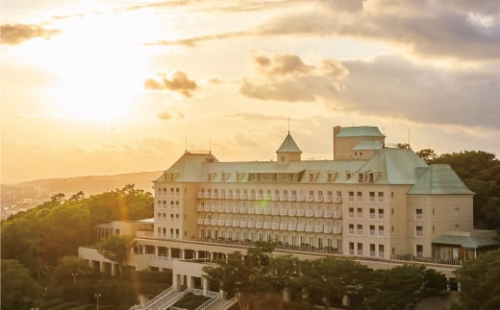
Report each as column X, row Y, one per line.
column 230, row 304
column 174, row 300
column 153, row 300
column 207, row 304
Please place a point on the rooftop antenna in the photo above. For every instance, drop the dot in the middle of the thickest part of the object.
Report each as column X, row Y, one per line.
column 210, row 145
column 185, row 145
column 288, row 125
column 409, row 137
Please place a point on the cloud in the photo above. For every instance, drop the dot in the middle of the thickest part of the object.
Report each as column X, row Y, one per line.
column 165, row 115
column 392, row 87
column 15, row 34
column 193, row 41
column 286, row 77
column 176, row 82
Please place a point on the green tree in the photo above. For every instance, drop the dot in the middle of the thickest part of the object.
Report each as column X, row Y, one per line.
column 480, row 282
column 280, row 274
column 19, row 289
column 116, row 249
column 427, row 155
column 241, row 276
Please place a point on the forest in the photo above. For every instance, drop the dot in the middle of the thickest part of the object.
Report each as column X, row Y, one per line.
column 39, row 249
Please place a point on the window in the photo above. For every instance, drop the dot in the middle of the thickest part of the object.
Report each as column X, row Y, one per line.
column 359, row 196
column 351, row 229
column 381, row 231
column 381, row 250
column 351, row 248
column 360, row 177
column 351, row 196
column 370, row 177
column 419, row 231
column 418, row 214
column 380, row 196
column 372, row 250
column 419, row 250
column 348, row 175
column 282, row 158
column 360, row 249
column 457, row 211
column 372, row 213
column 360, row 229
column 381, row 214
column 372, row 196
column 372, row 230
column 359, row 212
column 330, row 177
column 351, row 212
column 311, row 177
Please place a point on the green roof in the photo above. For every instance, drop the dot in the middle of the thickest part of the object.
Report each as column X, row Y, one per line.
column 188, row 167
column 368, row 145
column 288, row 146
column 362, row 131
column 439, row 180
column 468, row 242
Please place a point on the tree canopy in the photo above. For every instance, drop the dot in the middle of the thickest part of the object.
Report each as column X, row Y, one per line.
column 19, row 289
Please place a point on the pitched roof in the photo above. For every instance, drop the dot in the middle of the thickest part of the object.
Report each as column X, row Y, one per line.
column 361, row 131
column 468, row 242
column 288, row 146
column 188, row 168
column 439, row 180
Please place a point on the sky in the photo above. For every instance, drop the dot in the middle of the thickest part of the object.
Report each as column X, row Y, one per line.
column 101, row 87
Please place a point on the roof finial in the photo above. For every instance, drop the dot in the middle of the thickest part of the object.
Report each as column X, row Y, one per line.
column 288, row 125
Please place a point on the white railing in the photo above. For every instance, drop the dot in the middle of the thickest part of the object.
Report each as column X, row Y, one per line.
column 229, row 304
column 153, row 300
column 173, row 300
column 292, row 212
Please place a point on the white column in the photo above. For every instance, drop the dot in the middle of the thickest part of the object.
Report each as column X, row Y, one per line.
column 156, row 251
column 113, row 269
column 204, row 285
column 169, row 252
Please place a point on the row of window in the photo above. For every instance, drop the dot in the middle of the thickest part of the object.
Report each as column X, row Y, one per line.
column 374, row 249
column 286, row 239
column 174, row 204
column 162, row 232
column 267, row 219
column 174, row 218
column 372, row 230
column 373, row 213
column 164, row 191
column 372, row 197
column 268, row 192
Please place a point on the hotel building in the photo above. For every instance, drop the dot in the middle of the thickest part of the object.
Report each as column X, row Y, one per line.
column 377, row 204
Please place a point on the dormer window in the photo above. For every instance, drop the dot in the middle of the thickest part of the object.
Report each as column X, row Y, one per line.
column 282, row 159
column 360, row 177
column 371, row 177
column 347, row 175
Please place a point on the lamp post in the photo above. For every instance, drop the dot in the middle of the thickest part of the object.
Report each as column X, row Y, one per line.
column 97, row 296
column 74, row 274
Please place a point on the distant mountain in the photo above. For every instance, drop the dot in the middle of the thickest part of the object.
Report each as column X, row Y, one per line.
column 91, row 184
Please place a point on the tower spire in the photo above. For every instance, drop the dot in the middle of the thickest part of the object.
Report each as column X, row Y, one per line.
column 288, row 125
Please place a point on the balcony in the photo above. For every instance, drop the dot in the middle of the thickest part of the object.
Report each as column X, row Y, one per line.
column 301, row 212
column 283, row 226
column 276, row 197
column 207, row 208
column 318, row 199
column 267, row 225
column 228, row 195
column 251, row 196
column 309, row 228
column 236, row 223
column 251, row 224
column 207, row 195
column 292, row 227
column 227, row 209
column 258, row 197
column 292, row 198
column 301, row 198
column 228, row 223
column 275, row 226
column 220, row 208
column 243, row 209
column 337, row 199
column 258, row 210
column 220, row 222
column 275, row 211
column 214, row 221
column 236, row 196
column 328, row 229
column 215, row 195
column 201, row 195
column 258, row 225
column 337, row 230
column 200, row 208
column 292, row 212
column 301, row 227
column 235, row 209
column 318, row 213
column 206, row 222
column 243, row 224
column 328, row 199
column 213, row 208
column 144, row 234
column 243, row 196
column 310, row 198
column 309, row 213
column 318, row 228
column 283, row 212
column 199, row 221
column 283, row 197
column 327, row 214
column 266, row 211
column 251, row 210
